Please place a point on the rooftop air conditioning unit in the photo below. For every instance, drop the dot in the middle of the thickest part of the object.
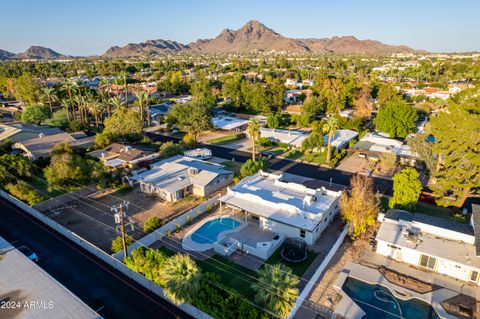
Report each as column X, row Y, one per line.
column 193, row 171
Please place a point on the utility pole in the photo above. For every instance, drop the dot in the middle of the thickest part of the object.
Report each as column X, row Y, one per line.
column 119, row 216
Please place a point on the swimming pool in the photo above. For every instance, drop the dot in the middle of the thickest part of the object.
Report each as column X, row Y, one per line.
column 379, row 303
column 208, row 232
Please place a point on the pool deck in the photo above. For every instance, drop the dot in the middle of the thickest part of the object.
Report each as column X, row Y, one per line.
column 191, row 245
column 349, row 309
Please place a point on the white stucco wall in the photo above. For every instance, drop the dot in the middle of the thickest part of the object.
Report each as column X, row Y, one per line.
column 412, row 256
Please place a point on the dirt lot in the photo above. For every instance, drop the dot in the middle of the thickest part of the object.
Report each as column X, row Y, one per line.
column 92, row 218
column 353, row 164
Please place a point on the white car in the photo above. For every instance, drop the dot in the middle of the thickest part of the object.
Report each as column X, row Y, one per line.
column 29, row 253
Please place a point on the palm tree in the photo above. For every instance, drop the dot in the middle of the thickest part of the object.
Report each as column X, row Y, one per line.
column 140, row 95
column 182, row 278
column 331, row 128
column 66, row 104
column 116, row 102
column 68, row 86
column 276, row 289
column 96, row 108
column 126, row 85
column 253, row 131
column 50, row 96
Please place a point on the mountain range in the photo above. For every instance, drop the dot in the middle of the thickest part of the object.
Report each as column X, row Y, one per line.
column 253, row 36
column 34, row 52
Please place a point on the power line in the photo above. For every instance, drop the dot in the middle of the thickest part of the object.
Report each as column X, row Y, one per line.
column 217, row 261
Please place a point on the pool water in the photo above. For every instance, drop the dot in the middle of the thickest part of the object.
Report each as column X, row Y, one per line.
column 378, row 302
column 208, row 232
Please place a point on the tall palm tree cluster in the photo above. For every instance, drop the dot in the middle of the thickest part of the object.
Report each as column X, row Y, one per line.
column 88, row 106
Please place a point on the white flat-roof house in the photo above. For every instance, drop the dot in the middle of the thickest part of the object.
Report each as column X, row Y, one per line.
column 431, row 243
column 177, row 177
column 283, row 207
column 290, row 137
column 229, row 123
column 341, row 139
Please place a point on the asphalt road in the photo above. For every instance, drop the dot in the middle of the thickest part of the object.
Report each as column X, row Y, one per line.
column 104, row 289
column 325, row 176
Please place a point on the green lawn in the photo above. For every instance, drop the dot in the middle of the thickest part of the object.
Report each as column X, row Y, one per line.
column 223, row 140
column 298, row 269
column 232, row 275
column 427, row 209
column 314, row 157
column 275, row 149
column 239, row 278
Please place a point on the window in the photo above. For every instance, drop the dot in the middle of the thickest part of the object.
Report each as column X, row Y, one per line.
column 428, row 261
column 302, row 233
column 473, row 276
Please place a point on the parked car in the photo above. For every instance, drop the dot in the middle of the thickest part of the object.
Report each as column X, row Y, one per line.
column 268, row 155
column 29, row 253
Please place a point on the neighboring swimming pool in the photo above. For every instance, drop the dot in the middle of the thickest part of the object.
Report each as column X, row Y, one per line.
column 208, row 232
column 379, row 303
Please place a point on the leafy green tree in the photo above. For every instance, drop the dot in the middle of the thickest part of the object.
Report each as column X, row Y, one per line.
column 26, row 89
column 332, row 91
column 457, row 136
column 25, row 193
column 117, row 243
column 147, row 262
column 330, row 127
column 314, row 106
column 202, row 94
column 232, row 88
column 275, row 289
column 14, row 166
column 194, row 117
column 396, row 118
column 35, row 114
column 59, row 118
column 68, row 170
column 151, row 224
column 406, row 189
column 170, row 149
column 253, row 131
column 124, row 124
column 274, row 120
column 301, row 120
column 360, row 206
column 386, row 93
column 251, row 167
column 421, row 146
column 313, row 141
column 182, row 279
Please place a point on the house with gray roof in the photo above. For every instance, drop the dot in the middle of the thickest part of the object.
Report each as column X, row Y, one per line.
column 18, row 132
column 42, row 145
column 177, row 177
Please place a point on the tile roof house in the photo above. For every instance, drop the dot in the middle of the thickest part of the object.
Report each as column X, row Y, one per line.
column 41, row 146
column 117, row 155
column 177, row 177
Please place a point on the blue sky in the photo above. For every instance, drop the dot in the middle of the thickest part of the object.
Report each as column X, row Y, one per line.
column 90, row 27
